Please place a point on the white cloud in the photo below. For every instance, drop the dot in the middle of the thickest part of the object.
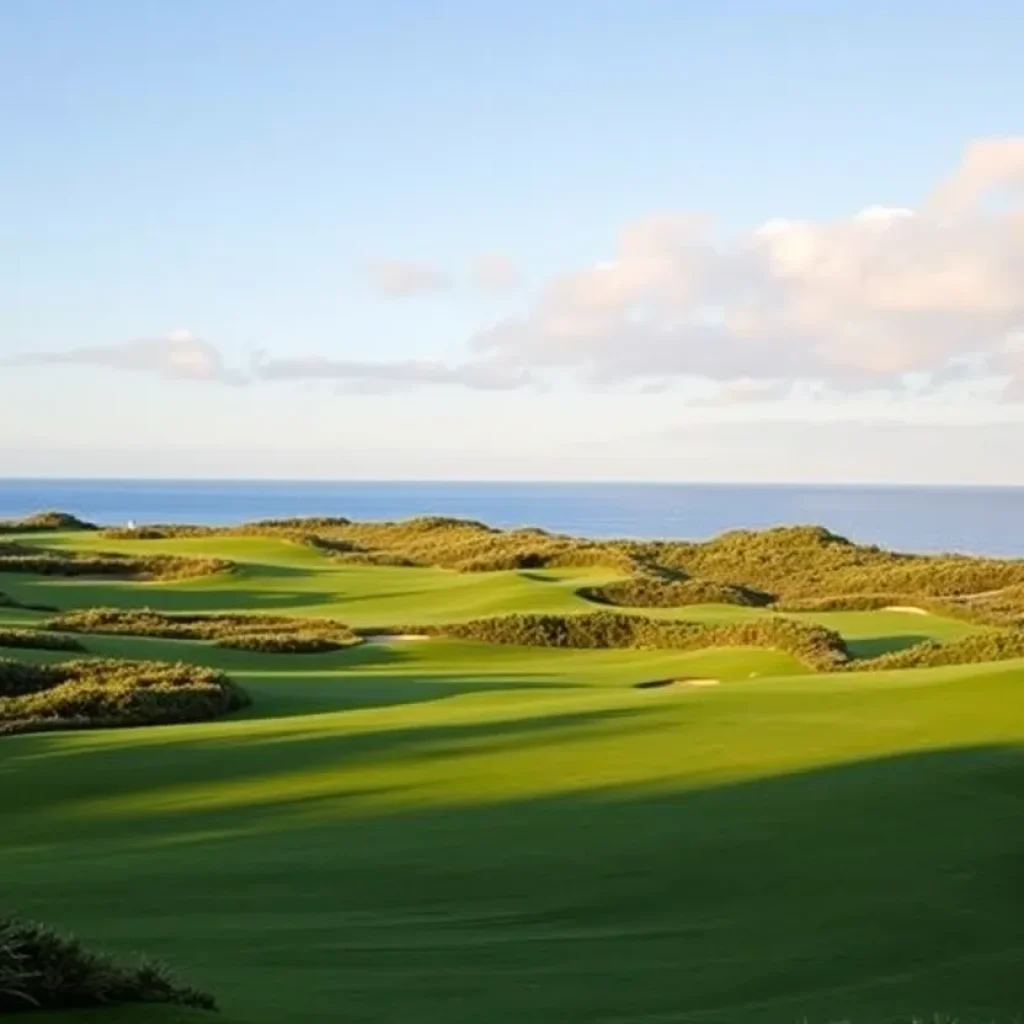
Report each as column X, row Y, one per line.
column 987, row 166
column 495, row 272
column 856, row 303
column 178, row 354
column 403, row 278
column 367, row 376
column 182, row 356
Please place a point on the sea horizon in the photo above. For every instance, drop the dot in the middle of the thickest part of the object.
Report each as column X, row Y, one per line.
column 973, row 519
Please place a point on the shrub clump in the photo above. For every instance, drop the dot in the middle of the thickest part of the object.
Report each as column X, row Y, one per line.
column 48, row 562
column 267, row 633
column 42, row 970
column 647, row 590
column 37, row 639
column 991, row 645
column 107, row 693
column 977, row 612
column 287, row 643
column 45, row 522
column 817, row 647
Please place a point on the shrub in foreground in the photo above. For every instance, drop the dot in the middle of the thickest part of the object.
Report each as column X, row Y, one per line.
column 108, row 693
column 817, row 647
column 42, row 970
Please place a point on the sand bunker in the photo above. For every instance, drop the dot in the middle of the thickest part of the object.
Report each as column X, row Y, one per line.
column 661, row 684
column 908, row 608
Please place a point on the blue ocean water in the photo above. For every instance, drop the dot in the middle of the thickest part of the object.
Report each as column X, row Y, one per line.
column 968, row 519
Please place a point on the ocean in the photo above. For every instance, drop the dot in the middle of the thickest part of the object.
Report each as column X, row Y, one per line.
column 977, row 520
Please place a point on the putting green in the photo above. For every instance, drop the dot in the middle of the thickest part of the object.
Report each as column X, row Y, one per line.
column 443, row 832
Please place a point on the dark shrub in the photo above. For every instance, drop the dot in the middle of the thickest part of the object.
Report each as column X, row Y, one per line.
column 41, row 970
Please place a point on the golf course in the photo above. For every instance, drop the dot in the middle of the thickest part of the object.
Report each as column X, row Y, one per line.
column 435, row 773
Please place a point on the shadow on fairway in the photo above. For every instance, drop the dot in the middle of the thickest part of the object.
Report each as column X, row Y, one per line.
column 324, row 695
column 873, row 646
column 880, row 891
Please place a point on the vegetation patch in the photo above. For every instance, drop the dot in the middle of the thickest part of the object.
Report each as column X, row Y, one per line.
column 787, row 565
column 43, row 970
column 817, row 647
column 38, row 639
column 647, row 590
column 45, row 522
column 270, row 634
column 49, row 562
column 106, row 693
column 982, row 613
column 991, row 645
column 288, row 643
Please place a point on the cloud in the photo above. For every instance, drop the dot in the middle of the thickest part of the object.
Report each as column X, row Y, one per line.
column 987, row 166
column 495, row 272
column 178, row 355
column 403, row 278
column 181, row 356
column 857, row 303
column 366, row 376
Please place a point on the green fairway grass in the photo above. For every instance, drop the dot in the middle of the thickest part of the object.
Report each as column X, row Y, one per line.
column 445, row 832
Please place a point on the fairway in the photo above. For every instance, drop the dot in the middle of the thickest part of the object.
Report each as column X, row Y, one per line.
column 444, row 831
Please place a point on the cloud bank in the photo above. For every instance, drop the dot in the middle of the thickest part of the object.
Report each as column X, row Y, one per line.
column 856, row 303
column 889, row 299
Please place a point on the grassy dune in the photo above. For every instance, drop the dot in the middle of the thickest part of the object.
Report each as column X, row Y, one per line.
column 445, row 832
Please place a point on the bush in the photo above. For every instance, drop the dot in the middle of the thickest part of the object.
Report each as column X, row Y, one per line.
column 45, row 522
column 48, row 562
column 41, row 970
column 228, row 630
column 106, row 693
column 135, row 533
column 646, row 590
column 35, row 638
column 287, row 643
column 981, row 614
column 992, row 645
column 818, row 648
column 787, row 564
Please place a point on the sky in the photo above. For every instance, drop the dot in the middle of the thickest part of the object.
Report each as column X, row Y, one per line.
column 544, row 239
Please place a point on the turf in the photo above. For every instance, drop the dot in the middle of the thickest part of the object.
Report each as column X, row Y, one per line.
column 451, row 832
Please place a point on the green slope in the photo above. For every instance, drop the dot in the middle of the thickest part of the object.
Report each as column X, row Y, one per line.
column 448, row 833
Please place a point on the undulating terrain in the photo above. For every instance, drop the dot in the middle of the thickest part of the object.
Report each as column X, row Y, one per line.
column 439, row 774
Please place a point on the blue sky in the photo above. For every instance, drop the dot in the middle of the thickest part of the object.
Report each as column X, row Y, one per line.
column 530, row 240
